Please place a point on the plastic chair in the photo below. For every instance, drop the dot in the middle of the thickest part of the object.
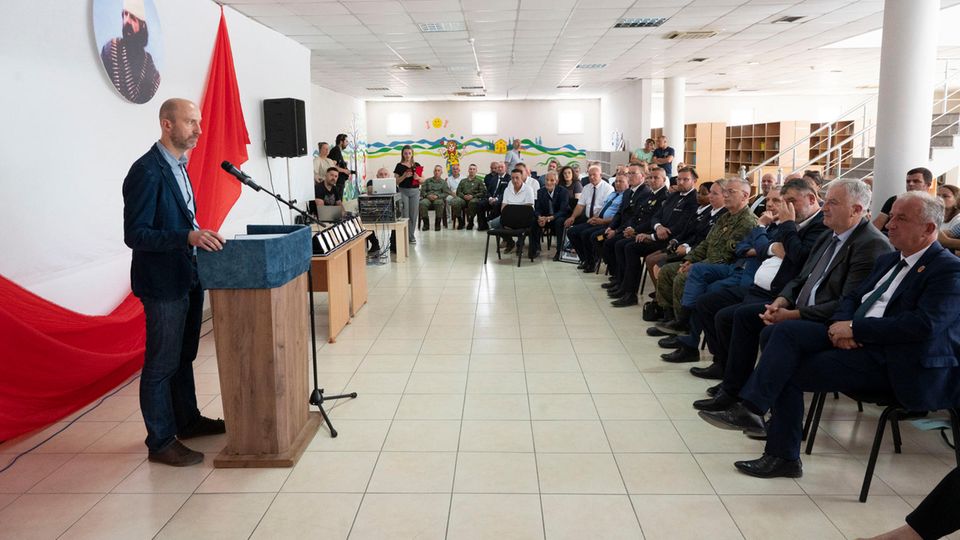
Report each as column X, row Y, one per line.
column 515, row 222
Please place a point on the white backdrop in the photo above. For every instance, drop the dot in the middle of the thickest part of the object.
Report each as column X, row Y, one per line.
column 68, row 138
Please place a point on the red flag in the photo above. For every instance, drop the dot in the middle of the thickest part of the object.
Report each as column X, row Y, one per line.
column 224, row 137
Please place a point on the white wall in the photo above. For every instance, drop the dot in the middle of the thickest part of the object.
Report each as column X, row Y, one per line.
column 335, row 113
column 69, row 138
column 627, row 109
column 528, row 119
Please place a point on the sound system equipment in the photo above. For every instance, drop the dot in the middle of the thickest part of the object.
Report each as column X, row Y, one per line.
column 285, row 127
column 379, row 208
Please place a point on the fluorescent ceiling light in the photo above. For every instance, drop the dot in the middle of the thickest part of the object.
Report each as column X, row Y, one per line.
column 949, row 20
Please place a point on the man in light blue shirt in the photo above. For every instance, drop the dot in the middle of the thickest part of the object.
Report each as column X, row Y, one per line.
column 583, row 236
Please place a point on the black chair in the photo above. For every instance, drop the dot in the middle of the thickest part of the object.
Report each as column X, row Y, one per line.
column 516, row 220
column 893, row 412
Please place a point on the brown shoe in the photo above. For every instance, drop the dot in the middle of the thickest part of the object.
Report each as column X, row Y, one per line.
column 176, row 455
column 202, row 427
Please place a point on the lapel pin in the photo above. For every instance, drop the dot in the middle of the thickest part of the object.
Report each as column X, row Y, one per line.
column 921, row 269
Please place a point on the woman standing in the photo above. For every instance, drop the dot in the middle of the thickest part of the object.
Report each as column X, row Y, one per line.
column 408, row 174
column 322, row 162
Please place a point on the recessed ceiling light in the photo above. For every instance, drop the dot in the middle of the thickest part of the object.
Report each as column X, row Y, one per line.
column 640, row 22
column 754, row 63
column 591, row 66
column 471, row 88
column 375, row 89
column 786, row 19
column 393, row 96
column 568, row 86
column 469, row 94
column 698, row 59
column 696, row 34
column 427, row 28
column 411, row 67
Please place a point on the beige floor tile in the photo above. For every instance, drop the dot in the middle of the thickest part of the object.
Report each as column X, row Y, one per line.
column 606, row 363
column 496, row 331
column 543, row 331
column 783, row 516
column 491, row 472
column 423, row 436
column 28, row 470
column 353, row 435
column 388, row 346
column 598, row 346
column 496, row 382
column 551, row 345
column 220, row 515
column 387, row 363
column 71, row 440
column 7, row 498
column 90, row 473
column 909, row 474
column 378, row 383
column 575, row 517
column 385, row 516
column 442, row 363
column 663, row 474
column 562, row 407
column 127, row 516
column 702, row 438
column 116, row 408
column 556, row 383
column 325, row 472
column 365, row 407
column 676, row 382
column 859, row 520
column 629, row 407
column 680, row 406
column 443, row 333
column 837, row 474
column 126, row 438
column 551, row 363
column 589, row 332
column 579, row 473
column 447, row 345
column 683, row 517
column 44, row 516
column 496, row 436
column 413, row 472
column 349, row 346
column 486, row 363
column 158, row 478
column 643, row 436
column 404, row 332
column 309, row 515
column 617, row 383
column 430, row 407
column 727, row 480
column 495, row 516
column 347, row 363
column 857, row 436
column 570, row 436
column 244, row 481
column 496, row 407
column 496, row 346
column 436, row 383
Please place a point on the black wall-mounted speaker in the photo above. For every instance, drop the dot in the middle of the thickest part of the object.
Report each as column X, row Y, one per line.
column 285, row 127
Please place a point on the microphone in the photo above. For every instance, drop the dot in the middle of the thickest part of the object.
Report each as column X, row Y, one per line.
column 240, row 175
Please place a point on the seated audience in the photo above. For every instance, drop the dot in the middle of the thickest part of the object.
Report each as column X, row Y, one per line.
column 950, row 195
column 599, row 202
column 453, row 182
column 552, row 209
column 759, row 202
column 895, row 335
column 569, row 181
column 645, row 154
column 517, row 193
column 325, row 192
column 640, row 202
column 433, row 194
column 495, row 182
column 470, row 194
column 918, row 179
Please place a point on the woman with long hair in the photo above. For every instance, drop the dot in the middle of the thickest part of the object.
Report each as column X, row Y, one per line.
column 409, row 175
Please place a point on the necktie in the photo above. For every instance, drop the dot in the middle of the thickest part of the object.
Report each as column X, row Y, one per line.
column 593, row 199
column 817, row 273
column 605, row 206
column 550, row 202
column 861, row 311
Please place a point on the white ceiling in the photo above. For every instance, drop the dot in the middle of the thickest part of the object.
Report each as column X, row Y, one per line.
column 526, row 48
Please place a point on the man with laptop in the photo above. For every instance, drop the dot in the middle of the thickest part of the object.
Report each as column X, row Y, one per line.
column 325, row 192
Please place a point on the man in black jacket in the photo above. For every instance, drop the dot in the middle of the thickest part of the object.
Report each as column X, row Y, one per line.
column 634, row 214
column 496, row 182
column 671, row 220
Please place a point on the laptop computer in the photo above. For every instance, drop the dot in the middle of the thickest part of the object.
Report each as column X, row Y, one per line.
column 384, row 186
column 329, row 213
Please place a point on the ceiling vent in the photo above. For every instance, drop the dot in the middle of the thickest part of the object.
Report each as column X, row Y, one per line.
column 412, row 67
column 698, row 59
column 375, row 89
column 430, row 28
column 471, row 88
column 720, row 89
column 787, row 19
column 640, row 22
column 591, row 66
column 568, row 86
column 696, row 34
column 469, row 94
column 392, row 96
column 631, row 78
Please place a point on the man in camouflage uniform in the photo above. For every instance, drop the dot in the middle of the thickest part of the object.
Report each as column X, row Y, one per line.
column 717, row 248
column 470, row 192
column 433, row 195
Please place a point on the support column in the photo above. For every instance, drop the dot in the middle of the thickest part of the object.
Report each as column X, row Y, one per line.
column 674, row 93
column 627, row 110
column 905, row 98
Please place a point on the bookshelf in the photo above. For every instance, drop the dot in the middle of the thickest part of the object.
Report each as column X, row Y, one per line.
column 826, row 139
column 703, row 148
column 750, row 145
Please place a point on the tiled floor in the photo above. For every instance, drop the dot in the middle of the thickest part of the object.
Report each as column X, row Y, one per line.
column 495, row 402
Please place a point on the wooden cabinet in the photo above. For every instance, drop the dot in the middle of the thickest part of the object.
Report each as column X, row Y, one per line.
column 837, row 135
column 703, row 148
column 751, row 145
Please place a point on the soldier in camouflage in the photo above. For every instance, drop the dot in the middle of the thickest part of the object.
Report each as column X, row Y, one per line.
column 433, row 195
column 470, row 193
column 717, row 248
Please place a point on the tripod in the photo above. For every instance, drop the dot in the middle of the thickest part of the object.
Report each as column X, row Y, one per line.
column 316, row 396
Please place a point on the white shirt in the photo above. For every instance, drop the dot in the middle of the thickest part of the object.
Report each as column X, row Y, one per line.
column 453, row 182
column 843, row 240
column 758, row 202
column 603, row 190
column 532, row 183
column 877, row 309
column 524, row 196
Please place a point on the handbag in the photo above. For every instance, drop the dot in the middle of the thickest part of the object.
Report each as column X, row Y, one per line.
column 652, row 311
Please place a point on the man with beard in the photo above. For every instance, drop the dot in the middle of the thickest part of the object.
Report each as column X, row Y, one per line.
column 160, row 226
column 129, row 66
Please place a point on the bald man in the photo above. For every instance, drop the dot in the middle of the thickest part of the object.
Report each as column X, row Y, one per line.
column 160, row 226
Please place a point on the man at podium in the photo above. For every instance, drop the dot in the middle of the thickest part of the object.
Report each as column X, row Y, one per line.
column 160, row 226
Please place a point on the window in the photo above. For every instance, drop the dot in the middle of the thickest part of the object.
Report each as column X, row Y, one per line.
column 484, row 123
column 570, row 122
column 398, row 124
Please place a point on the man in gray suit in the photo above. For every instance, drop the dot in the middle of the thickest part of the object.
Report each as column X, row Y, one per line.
column 841, row 258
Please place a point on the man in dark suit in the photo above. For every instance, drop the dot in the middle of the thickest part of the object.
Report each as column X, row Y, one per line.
column 160, row 226
column 640, row 202
column 801, row 224
column 496, row 182
column 897, row 334
column 840, row 260
column 551, row 207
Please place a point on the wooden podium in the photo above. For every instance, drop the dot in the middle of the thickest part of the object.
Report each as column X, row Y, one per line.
column 258, row 292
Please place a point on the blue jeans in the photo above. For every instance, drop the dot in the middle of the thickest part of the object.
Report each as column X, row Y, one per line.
column 168, row 396
column 707, row 277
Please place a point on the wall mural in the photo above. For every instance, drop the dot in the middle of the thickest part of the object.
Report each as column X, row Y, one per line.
column 453, row 149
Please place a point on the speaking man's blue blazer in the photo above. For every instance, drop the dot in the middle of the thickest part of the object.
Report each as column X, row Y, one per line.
column 918, row 337
column 156, row 222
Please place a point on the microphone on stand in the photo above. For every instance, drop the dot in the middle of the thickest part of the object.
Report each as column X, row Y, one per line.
column 240, row 175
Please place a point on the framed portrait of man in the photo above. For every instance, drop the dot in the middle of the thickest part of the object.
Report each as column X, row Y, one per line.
column 130, row 46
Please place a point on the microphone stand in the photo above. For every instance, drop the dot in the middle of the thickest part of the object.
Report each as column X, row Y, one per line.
column 317, row 398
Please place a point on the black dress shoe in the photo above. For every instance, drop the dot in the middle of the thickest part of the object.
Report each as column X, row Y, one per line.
column 630, row 300
column 556, row 256
column 675, row 327
column 720, row 402
column 669, row 342
column 736, row 417
column 714, row 372
column 770, row 467
column 712, row 391
column 615, row 293
column 682, row 355
column 176, row 455
column 612, row 284
column 590, row 269
column 202, row 427
column 581, row 266
column 653, row 331
column 756, row 434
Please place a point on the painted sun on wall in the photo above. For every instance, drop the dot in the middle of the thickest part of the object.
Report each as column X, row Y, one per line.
column 453, row 151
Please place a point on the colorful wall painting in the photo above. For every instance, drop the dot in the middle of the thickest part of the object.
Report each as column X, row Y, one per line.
column 539, row 154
